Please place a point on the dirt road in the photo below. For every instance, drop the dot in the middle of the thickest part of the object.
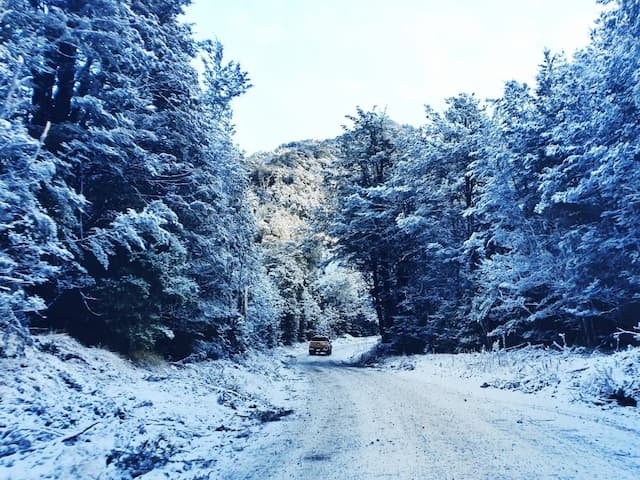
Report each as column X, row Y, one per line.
column 356, row 423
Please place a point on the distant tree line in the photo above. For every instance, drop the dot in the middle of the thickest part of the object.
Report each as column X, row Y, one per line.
column 513, row 221
column 293, row 206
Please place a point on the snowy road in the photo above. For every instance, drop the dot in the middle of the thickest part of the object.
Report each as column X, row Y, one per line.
column 357, row 423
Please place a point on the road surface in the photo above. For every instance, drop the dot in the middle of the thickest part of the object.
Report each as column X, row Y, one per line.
column 363, row 423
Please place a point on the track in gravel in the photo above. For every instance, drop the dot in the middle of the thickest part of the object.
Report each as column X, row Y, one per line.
column 365, row 424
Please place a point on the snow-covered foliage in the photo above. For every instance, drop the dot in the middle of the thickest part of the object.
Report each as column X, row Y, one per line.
column 124, row 212
column 438, row 186
column 367, row 208
column 344, row 301
column 30, row 248
column 567, row 374
column 565, row 260
column 513, row 221
column 293, row 199
column 128, row 217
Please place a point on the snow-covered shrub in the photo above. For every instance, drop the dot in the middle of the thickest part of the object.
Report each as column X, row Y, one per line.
column 14, row 336
column 371, row 357
column 613, row 378
column 206, row 350
column 14, row 441
column 136, row 460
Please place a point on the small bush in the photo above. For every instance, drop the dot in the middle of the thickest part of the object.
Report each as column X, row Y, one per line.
column 143, row 458
column 14, row 337
column 372, row 356
column 617, row 380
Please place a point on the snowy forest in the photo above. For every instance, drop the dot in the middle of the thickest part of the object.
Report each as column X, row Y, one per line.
column 130, row 219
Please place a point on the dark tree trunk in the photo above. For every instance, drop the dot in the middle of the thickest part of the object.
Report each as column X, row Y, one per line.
column 377, row 300
column 390, row 304
column 41, row 98
column 383, row 299
column 61, row 106
column 588, row 332
column 468, row 200
column 53, row 85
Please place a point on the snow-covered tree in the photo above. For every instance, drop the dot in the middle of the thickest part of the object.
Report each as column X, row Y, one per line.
column 438, row 188
column 31, row 252
column 344, row 300
column 562, row 215
column 365, row 222
column 143, row 186
column 590, row 194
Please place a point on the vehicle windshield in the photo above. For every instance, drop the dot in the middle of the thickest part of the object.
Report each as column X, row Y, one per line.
column 319, row 339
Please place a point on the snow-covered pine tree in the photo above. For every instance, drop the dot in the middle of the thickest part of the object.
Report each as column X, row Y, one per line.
column 590, row 195
column 366, row 211
column 163, row 245
column 90, row 89
column 437, row 189
column 562, row 215
column 31, row 252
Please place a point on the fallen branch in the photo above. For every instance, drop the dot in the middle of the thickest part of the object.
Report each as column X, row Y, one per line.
column 515, row 347
column 578, row 370
column 76, row 435
column 621, row 332
column 66, row 439
column 231, row 392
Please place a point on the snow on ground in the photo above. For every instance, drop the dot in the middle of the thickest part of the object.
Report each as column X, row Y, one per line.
column 565, row 374
column 429, row 417
column 67, row 411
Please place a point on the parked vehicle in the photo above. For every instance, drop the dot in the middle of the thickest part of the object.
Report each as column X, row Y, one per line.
column 320, row 344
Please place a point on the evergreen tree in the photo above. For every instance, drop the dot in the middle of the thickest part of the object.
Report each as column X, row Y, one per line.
column 561, row 221
column 438, row 190
column 144, row 188
column 31, row 252
column 590, row 193
column 366, row 215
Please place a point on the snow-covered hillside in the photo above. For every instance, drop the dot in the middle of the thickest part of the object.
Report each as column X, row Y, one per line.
column 68, row 411
column 291, row 189
column 293, row 201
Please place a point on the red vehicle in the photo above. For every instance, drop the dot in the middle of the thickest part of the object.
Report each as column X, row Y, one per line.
column 320, row 344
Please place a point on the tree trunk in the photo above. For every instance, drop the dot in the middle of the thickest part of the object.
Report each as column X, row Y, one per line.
column 61, row 107
column 378, row 303
column 245, row 301
column 53, row 85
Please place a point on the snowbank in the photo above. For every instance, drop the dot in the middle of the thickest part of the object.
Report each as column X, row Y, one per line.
column 570, row 375
column 67, row 411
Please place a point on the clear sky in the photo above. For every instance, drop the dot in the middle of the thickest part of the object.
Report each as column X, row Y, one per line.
column 313, row 61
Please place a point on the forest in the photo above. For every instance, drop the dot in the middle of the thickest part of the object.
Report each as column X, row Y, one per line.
column 130, row 219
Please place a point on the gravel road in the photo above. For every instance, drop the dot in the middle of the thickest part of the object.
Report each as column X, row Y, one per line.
column 365, row 423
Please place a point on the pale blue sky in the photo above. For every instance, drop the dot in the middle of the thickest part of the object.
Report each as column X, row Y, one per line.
column 312, row 61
